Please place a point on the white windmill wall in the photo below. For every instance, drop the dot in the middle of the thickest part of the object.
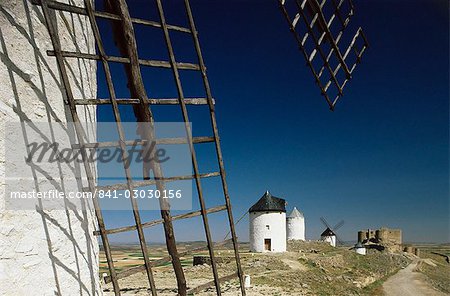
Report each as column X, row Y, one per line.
column 361, row 251
column 44, row 252
column 276, row 231
column 295, row 228
column 329, row 239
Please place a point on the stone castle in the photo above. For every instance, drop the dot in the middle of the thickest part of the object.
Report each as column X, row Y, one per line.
column 383, row 238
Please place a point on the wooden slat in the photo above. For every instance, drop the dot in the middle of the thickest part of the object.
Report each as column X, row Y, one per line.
column 358, row 58
column 176, row 76
column 160, row 221
column 303, row 51
column 330, row 53
column 123, row 60
column 160, row 141
column 211, row 283
column 162, row 261
column 137, row 184
column 162, row 101
column 318, row 10
column 344, row 24
column 125, row 40
column 127, row 44
column 80, row 10
column 337, row 6
column 80, row 133
column 124, row 152
column 316, row 43
column 315, row 10
column 214, row 127
column 353, row 42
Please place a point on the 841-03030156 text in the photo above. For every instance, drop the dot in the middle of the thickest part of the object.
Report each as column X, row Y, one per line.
column 140, row 193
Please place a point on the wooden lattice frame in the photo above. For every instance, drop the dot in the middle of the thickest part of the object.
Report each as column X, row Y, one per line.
column 317, row 26
column 142, row 103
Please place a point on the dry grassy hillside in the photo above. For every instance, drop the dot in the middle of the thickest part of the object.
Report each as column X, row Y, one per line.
column 308, row 268
column 316, row 268
column 434, row 266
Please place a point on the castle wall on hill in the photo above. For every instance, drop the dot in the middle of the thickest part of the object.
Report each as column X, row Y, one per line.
column 383, row 235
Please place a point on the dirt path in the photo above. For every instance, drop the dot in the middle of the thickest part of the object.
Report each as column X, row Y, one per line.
column 408, row 282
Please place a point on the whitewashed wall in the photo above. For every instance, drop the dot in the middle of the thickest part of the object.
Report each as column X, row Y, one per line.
column 329, row 239
column 276, row 231
column 361, row 251
column 295, row 228
column 43, row 252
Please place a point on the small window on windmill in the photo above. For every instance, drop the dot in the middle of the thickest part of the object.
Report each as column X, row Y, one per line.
column 268, row 227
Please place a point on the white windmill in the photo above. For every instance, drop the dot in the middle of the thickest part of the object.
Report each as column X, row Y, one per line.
column 329, row 234
column 295, row 225
column 268, row 224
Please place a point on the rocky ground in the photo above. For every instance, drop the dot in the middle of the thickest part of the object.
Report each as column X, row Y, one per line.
column 436, row 269
column 308, row 268
column 410, row 282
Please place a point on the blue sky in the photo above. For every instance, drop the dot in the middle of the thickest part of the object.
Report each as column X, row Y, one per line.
column 381, row 159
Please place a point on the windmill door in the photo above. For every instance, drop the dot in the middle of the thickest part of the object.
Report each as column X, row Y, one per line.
column 267, row 244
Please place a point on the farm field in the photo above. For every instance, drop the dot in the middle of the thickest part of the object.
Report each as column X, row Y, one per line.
column 308, row 268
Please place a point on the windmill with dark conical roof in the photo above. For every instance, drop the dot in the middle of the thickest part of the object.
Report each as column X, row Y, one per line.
column 329, row 234
column 268, row 224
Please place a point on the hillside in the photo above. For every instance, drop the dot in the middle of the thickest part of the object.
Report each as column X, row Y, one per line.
column 308, row 268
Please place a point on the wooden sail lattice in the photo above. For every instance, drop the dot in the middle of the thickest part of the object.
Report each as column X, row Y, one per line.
column 319, row 41
column 319, row 27
column 118, row 12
